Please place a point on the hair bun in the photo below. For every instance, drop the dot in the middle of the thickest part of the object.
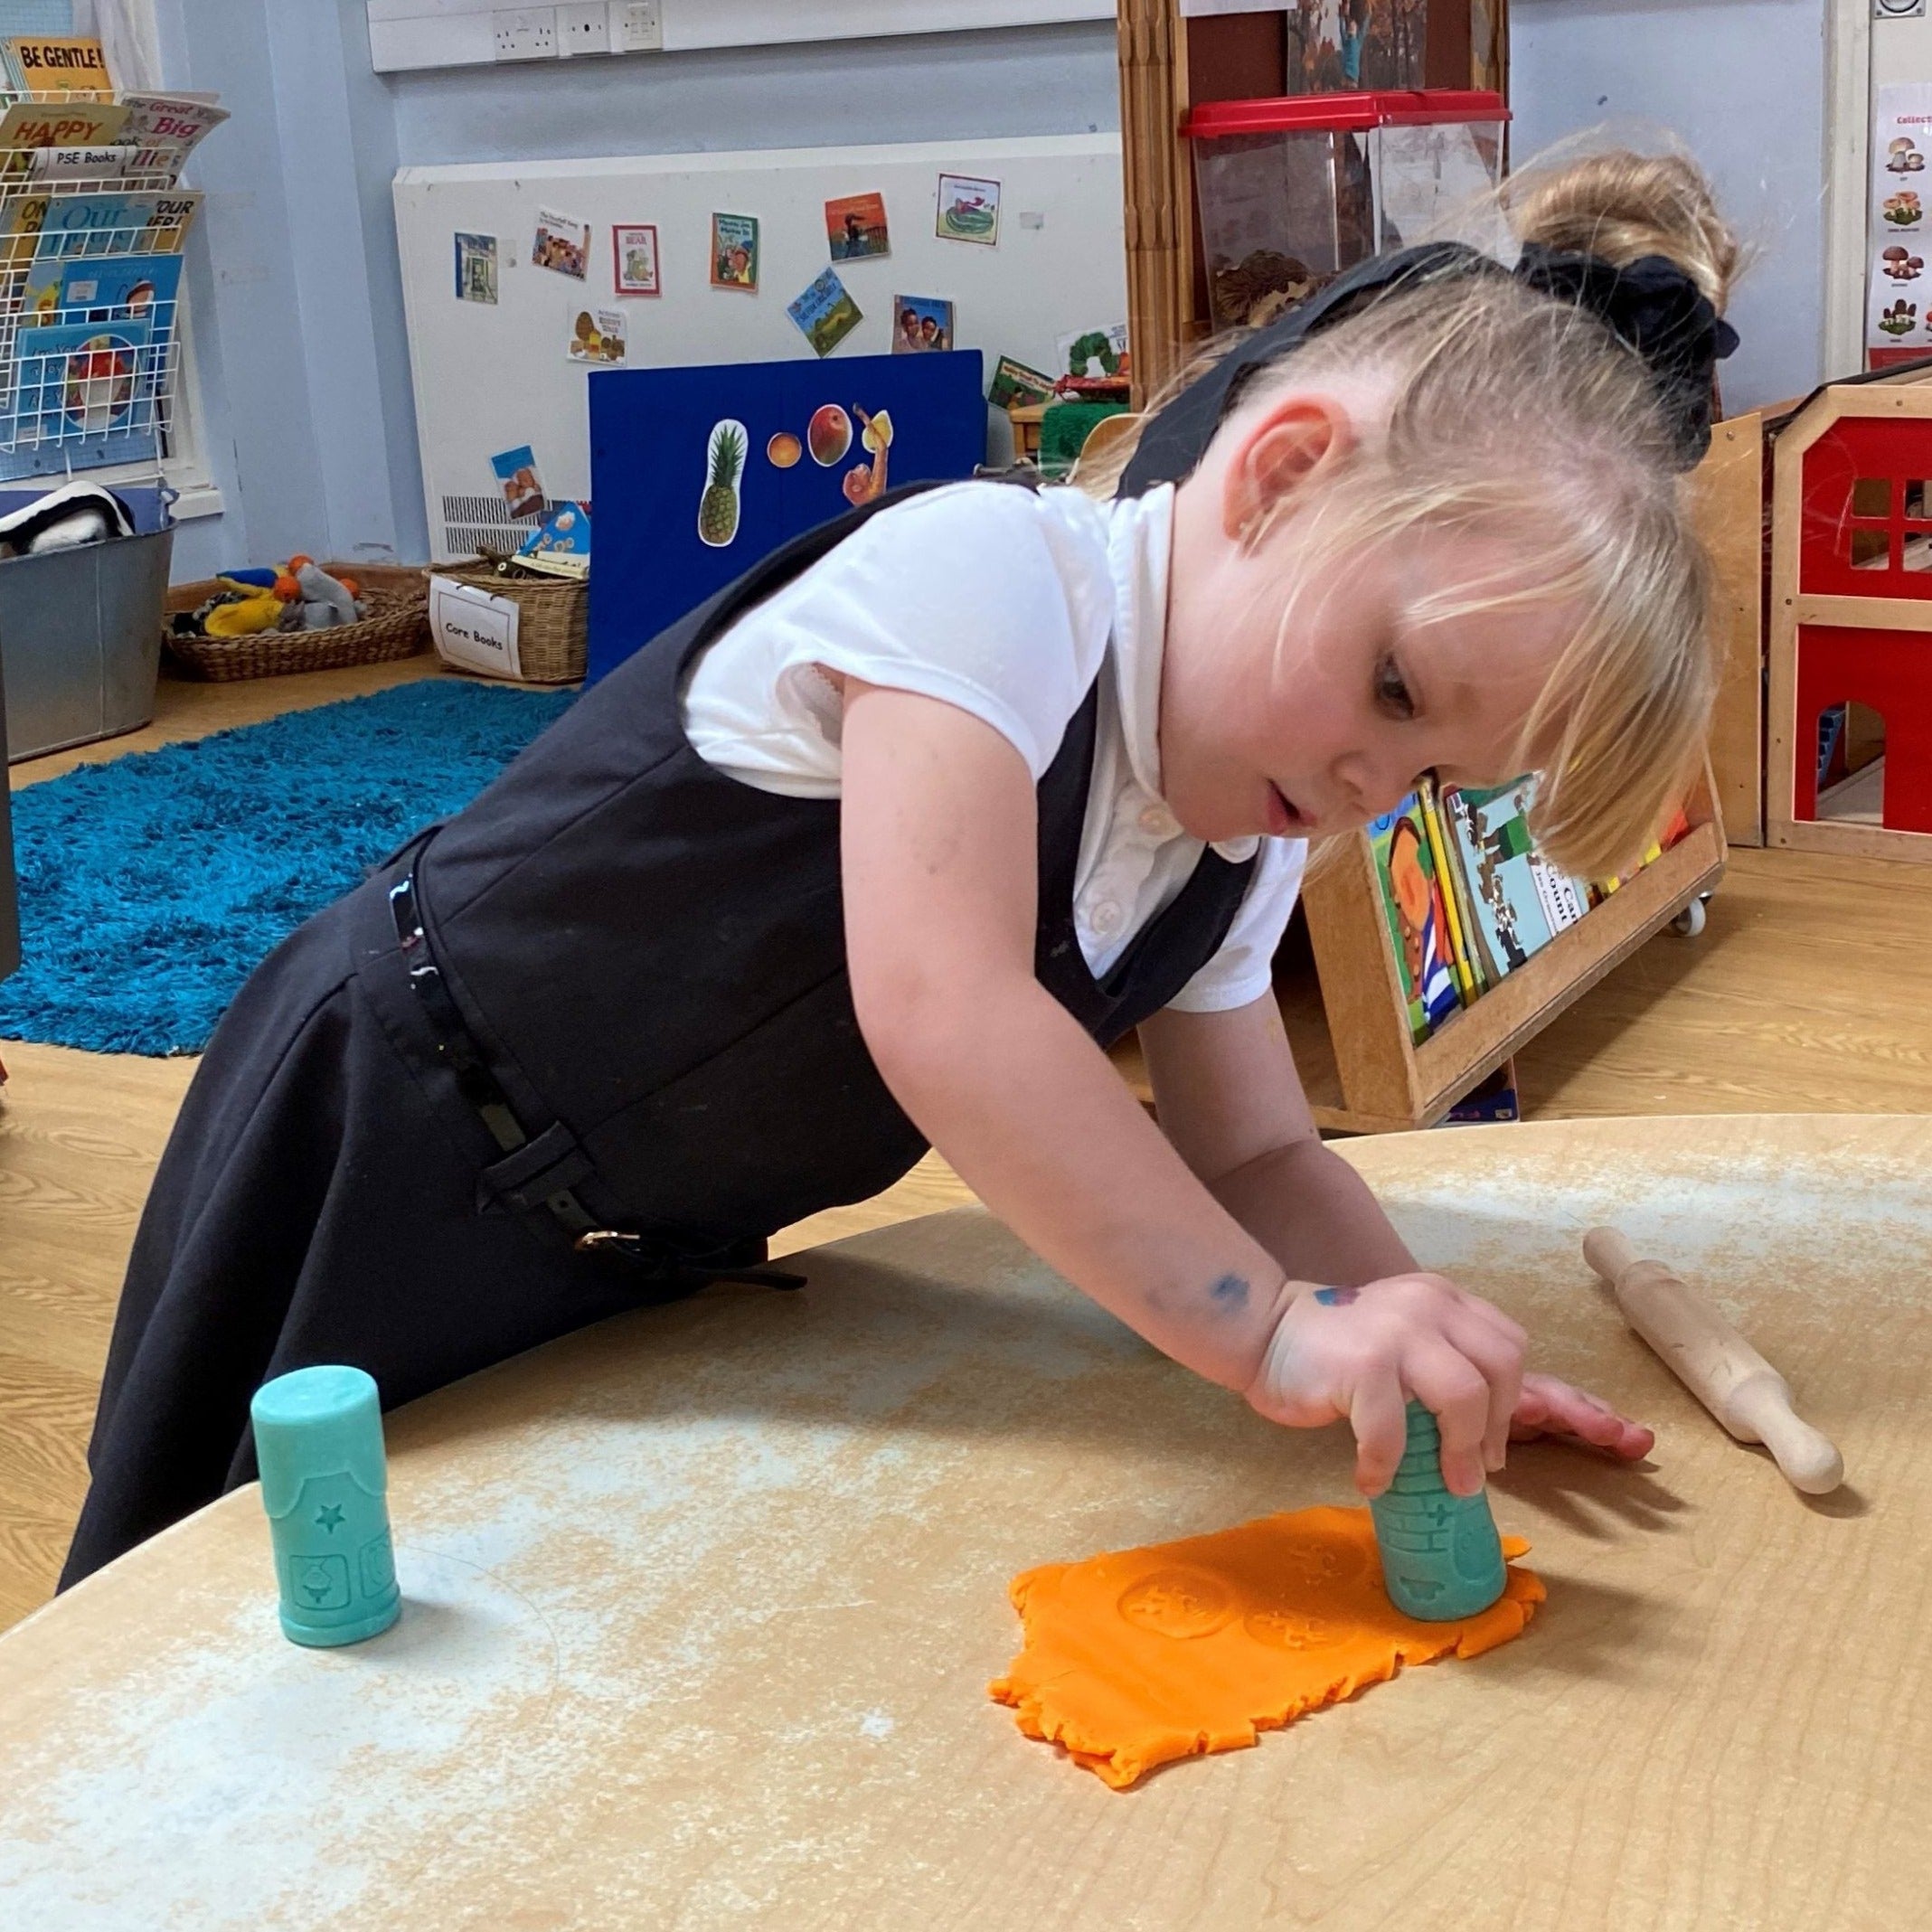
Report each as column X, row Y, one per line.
column 1622, row 206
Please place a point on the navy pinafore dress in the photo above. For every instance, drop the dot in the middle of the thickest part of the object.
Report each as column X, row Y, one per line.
column 647, row 958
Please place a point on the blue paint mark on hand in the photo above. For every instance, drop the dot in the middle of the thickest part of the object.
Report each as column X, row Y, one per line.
column 1336, row 1297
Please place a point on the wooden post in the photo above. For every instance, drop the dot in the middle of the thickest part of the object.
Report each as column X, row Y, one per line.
column 1726, row 495
column 1159, row 188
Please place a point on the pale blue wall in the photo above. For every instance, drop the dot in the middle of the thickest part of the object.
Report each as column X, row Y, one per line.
column 295, row 287
column 296, row 298
column 1742, row 82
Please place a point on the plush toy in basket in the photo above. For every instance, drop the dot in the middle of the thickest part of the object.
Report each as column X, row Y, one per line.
column 295, row 617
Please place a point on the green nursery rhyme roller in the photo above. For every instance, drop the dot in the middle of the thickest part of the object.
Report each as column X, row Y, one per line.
column 1441, row 1556
column 318, row 1440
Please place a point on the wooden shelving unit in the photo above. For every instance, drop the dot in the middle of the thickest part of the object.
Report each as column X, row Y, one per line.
column 1345, row 1015
column 1383, row 1084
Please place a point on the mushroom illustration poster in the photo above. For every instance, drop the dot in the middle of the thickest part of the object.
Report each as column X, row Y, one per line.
column 1898, row 316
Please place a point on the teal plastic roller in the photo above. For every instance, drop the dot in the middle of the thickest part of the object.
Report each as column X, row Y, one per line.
column 318, row 1442
column 1441, row 1556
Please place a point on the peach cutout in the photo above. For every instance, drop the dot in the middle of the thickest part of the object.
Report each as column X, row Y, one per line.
column 1136, row 1657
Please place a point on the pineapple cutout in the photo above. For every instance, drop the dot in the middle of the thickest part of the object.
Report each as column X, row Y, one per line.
column 724, row 465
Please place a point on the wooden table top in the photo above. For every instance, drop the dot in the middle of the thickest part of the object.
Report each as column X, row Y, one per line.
column 701, row 1606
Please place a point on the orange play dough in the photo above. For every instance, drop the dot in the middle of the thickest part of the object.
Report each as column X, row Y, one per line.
column 1140, row 1656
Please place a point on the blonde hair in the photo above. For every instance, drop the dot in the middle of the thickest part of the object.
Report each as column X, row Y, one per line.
column 1520, row 417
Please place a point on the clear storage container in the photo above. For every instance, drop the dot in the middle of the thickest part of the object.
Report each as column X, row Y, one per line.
column 1292, row 192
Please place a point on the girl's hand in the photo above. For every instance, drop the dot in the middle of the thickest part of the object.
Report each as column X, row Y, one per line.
column 1362, row 1352
column 1549, row 1407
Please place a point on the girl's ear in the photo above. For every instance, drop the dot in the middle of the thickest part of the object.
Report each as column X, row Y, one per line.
column 1279, row 452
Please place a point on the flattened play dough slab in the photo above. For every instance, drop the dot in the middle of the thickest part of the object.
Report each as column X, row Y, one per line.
column 1140, row 1656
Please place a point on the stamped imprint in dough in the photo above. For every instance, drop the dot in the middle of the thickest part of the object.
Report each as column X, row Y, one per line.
column 1137, row 1658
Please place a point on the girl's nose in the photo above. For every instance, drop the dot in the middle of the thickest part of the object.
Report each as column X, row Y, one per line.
column 1376, row 785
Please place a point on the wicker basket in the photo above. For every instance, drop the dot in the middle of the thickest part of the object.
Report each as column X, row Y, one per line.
column 552, row 621
column 397, row 626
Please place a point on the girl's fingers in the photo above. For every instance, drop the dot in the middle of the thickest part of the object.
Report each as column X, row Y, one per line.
column 1377, row 1414
column 1498, row 1356
column 1445, row 1381
column 1550, row 1406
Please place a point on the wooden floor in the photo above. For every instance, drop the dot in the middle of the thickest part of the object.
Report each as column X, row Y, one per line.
column 1804, row 994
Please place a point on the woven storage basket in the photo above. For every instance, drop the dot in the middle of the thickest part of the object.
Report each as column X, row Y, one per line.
column 397, row 626
column 552, row 621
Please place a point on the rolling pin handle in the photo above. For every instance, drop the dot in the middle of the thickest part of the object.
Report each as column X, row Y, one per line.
column 1608, row 1252
column 1810, row 1461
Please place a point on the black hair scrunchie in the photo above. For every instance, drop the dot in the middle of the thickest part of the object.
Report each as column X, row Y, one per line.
column 1650, row 306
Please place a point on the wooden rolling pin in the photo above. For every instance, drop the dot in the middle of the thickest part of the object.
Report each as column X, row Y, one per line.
column 1714, row 1362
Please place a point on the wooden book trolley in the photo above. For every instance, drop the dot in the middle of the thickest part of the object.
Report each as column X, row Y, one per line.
column 1347, row 1019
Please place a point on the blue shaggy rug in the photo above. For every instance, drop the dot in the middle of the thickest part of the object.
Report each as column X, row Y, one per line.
column 152, row 886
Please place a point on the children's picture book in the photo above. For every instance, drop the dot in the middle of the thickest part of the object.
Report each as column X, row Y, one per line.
column 1439, row 845
column 102, row 288
column 561, row 544
column 598, row 336
column 165, row 128
column 476, row 267
column 856, row 227
column 561, row 245
column 969, row 210
column 82, row 397
column 826, row 312
column 734, row 252
column 516, row 477
column 1013, row 382
column 634, row 259
column 112, row 224
column 920, row 322
column 29, row 126
column 38, row 63
column 1491, row 846
column 1418, row 924
column 1092, row 352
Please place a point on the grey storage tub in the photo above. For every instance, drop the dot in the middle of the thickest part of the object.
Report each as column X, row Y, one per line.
column 80, row 635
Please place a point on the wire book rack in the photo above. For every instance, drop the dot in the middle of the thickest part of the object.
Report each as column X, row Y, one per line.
column 92, row 241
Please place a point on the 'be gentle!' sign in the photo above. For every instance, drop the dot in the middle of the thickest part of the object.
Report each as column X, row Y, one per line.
column 474, row 630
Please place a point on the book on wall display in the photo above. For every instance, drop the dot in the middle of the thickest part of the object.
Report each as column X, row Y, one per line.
column 30, row 128
column 1412, row 902
column 52, row 63
column 110, row 223
column 163, row 129
column 82, row 397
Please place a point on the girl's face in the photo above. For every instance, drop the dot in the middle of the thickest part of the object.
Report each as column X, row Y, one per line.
column 1322, row 724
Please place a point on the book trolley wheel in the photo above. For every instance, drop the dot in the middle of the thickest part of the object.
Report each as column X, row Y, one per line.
column 1689, row 922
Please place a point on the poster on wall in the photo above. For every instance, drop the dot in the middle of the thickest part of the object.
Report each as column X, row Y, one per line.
column 1337, row 46
column 1898, row 316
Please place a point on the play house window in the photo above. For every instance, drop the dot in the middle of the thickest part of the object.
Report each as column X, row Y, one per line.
column 1880, row 539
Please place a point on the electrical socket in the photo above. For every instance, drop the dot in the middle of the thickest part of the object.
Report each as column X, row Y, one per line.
column 529, row 33
column 584, row 28
column 636, row 26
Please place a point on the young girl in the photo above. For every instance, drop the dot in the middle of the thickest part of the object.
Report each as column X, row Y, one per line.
column 888, row 841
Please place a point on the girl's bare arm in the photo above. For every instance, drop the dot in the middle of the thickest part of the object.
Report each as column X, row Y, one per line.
column 939, row 838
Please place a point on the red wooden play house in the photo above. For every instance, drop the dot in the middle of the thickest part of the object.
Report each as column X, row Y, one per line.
column 1850, row 631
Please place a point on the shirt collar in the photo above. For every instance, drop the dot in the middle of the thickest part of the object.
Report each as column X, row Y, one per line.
column 1140, row 546
column 1140, row 542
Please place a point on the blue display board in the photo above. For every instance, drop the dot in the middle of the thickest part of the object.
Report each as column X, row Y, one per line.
column 697, row 473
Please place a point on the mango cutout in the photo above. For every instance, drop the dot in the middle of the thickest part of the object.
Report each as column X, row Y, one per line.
column 1136, row 1657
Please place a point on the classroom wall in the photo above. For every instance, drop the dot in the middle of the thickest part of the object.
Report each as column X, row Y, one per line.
column 295, row 286
column 1743, row 83
column 310, row 421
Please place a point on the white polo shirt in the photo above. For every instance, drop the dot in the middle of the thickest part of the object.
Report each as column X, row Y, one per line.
column 1008, row 603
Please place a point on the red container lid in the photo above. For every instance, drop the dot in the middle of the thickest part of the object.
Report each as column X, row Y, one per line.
column 1214, row 120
